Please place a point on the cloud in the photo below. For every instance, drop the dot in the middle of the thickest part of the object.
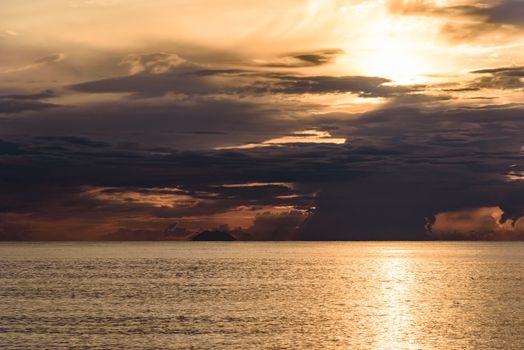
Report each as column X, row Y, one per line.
column 170, row 233
column 505, row 12
column 11, row 230
column 474, row 224
column 183, row 124
column 10, row 32
column 74, row 140
column 11, row 148
column 363, row 86
column 37, row 63
column 280, row 226
column 49, row 59
column 304, row 59
column 177, row 134
column 68, row 200
column 157, row 74
column 467, row 22
column 16, row 105
column 515, row 172
column 509, row 12
column 188, row 136
column 207, row 82
column 499, row 78
column 259, row 184
column 401, row 166
column 153, row 63
column 507, row 71
column 38, row 96
column 417, row 164
column 496, row 81
column 412, row 7
column 155, row 197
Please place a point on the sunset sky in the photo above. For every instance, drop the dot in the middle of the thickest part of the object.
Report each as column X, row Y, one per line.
column 274, row 120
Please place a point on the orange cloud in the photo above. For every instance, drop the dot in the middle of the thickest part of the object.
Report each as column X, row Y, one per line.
column 485, row 223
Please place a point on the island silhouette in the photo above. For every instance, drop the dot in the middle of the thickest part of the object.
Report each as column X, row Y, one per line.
column 213, row 236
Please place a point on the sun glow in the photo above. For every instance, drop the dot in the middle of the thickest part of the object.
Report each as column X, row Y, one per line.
column 397, row 63
column 396, row 47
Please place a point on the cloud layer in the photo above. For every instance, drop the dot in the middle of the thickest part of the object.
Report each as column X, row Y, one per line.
column 339, row 120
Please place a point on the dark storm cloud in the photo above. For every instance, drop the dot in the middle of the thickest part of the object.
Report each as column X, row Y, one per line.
column 142, row 167
column 193, row 124
column 56, row 183
column 437, row 162
column 400, row 168
column 14, row 231
column 283, row 226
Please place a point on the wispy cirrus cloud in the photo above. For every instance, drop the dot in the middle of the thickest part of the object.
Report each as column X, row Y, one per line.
column 36, row 63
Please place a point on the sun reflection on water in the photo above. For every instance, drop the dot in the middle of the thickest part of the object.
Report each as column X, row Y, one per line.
column 394, row 326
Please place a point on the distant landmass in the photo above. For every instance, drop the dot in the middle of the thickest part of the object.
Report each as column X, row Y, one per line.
column 214, row 236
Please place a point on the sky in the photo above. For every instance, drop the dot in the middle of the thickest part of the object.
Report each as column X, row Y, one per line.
column 271, row 120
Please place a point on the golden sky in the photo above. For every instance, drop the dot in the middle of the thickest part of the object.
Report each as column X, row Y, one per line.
column 410, row 40
column 398, row 92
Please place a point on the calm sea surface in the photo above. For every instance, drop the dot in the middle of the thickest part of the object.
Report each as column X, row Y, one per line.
column 262, row 296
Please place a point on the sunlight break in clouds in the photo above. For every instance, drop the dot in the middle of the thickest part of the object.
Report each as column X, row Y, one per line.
column 156, row 197
column 298, row 137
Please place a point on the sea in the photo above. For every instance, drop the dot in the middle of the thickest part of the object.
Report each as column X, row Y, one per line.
column 287, row 295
